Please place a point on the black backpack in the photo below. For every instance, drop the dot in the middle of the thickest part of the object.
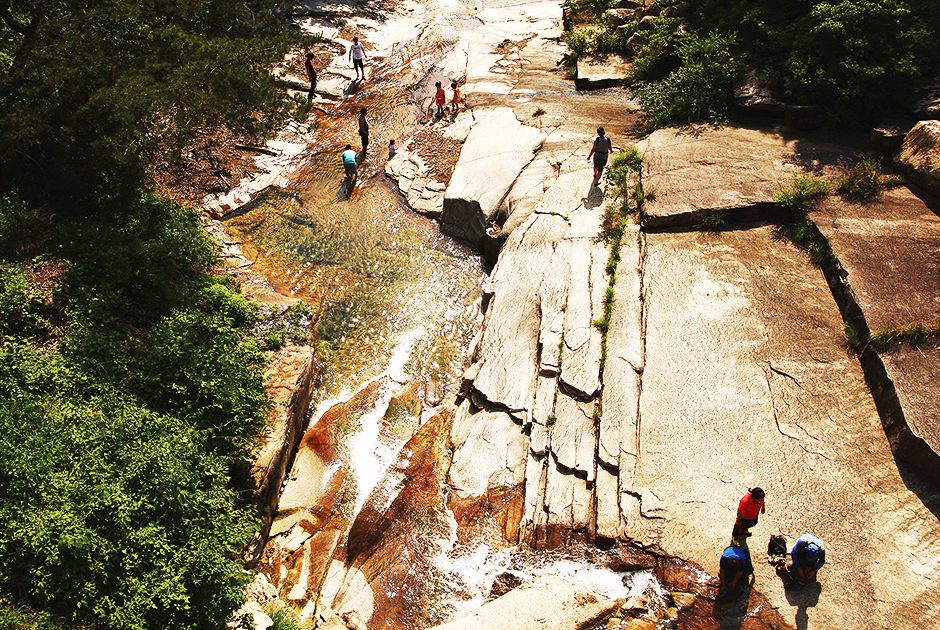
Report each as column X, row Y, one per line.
column 777, row 546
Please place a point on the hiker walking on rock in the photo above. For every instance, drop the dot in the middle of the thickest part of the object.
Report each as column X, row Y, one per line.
column 363, row 129
column 600, row 150
column 750, row 507
column 357, row 53
column 349, row 165
column 311, row 74
column 806, row 558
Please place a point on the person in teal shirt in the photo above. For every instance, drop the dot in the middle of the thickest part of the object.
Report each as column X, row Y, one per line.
column 349, row 163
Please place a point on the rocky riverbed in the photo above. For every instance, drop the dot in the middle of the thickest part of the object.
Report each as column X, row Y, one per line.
column 724, row 365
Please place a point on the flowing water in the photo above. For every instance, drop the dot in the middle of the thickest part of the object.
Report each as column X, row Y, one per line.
column 394, row 302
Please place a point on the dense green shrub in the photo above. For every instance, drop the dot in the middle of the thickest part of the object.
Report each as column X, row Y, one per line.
column 700, row 90
column 858, row 55
column 113, row 515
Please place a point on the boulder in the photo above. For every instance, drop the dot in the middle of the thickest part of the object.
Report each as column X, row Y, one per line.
column 919, row 156
column 928, row 106
column 754, row 95
column 497, row 148
column 889, row 135
column 648, row 21
column 596, row 73
column 619, row 16
column 545, row 603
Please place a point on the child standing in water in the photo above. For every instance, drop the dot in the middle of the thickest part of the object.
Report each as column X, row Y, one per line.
column 440, row 99
column 455, row 101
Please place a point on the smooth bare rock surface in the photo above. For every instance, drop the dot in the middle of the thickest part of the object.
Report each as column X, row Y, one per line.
column 602, row 72
column 581, row 356
column 573, row 435
column 508, row 348
column 712, row 169
column 919, row 156
column 289, row 378
column 489, row 451
column 561, row 605
column 392, row 542
column 747, row 383
column 495, row 152
column 915, row 372
column 891, row 251
column 625, row 361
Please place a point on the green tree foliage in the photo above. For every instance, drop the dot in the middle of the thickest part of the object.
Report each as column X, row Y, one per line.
column 130, row 389
column 89, row 86
column 113, row 515
column 856, row 57
column 700, row 89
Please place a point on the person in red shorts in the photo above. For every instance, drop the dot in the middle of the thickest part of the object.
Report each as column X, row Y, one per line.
column 750, row 507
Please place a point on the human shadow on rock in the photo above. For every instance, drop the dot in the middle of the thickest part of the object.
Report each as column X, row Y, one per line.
column 595, row 197
column 803, row 597
column 731, row 612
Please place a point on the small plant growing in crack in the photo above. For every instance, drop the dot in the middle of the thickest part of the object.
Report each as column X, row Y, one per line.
column 854, row 334
column 551, row 420
column 713, row 219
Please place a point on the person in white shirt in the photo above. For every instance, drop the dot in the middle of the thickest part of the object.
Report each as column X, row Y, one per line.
column 357, row 54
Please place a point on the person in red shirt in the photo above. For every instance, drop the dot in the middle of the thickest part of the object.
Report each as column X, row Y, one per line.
column 749, row 507
column 439, row 99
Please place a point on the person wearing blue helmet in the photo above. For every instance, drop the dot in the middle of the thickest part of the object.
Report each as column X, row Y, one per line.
column 807, row 556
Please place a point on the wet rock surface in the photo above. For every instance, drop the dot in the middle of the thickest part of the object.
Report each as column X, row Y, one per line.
column 545, row 603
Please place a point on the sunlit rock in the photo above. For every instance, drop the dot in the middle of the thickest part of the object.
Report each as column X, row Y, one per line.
column 920, row 155
column 561, row 606
column 495, row 152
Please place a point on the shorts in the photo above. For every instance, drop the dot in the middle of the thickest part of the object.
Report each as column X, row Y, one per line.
column 744, row 525
column 600, row 160
column 357, row 63
column 350, row 169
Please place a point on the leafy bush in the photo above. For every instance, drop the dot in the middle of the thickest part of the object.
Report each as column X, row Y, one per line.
column 700, row 90
column 114, row 515
column 655, row 60
column 798, row 199
column 859, row 54
column 865, row 181
column 579, row 41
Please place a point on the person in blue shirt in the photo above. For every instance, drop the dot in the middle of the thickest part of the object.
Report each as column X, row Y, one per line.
column 349, row 164
column 806, row 558
column 735, row 562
